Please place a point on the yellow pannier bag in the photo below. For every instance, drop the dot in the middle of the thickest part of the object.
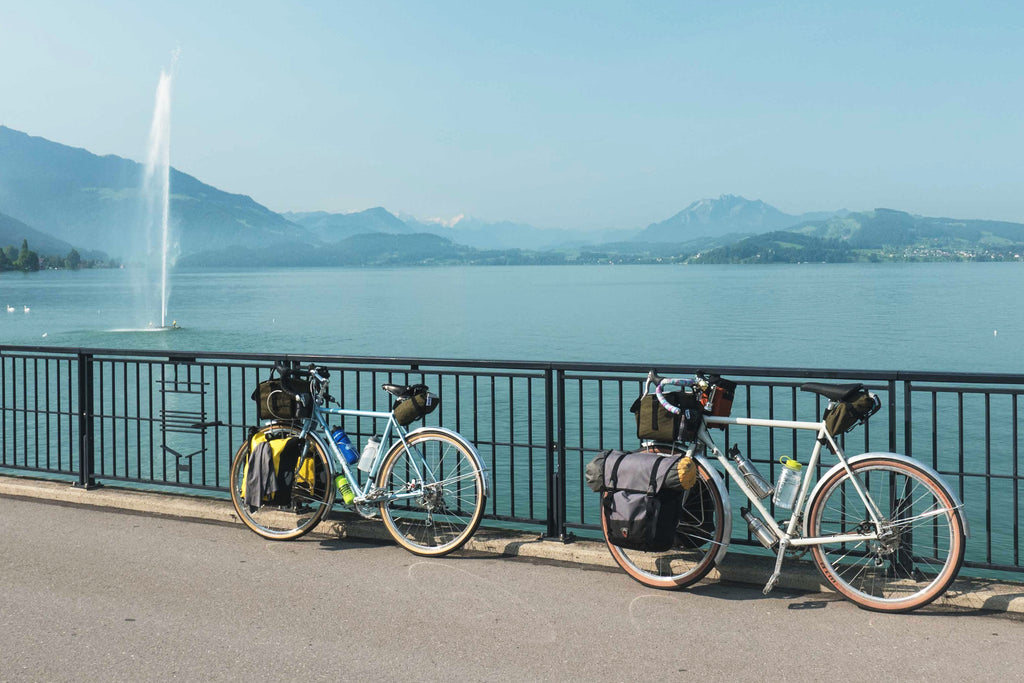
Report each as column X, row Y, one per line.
column 285, row 450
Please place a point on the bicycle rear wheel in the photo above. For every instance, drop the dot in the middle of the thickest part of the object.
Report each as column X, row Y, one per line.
column 922, row 546
column 449, row 481
column 699, row 535
column 312, row 494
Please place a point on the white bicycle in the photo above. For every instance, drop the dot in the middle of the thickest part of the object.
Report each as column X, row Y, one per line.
column 885, row 530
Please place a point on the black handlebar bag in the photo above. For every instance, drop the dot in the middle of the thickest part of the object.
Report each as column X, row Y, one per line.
column 654, row 422
column 640, row 510
column 284, row 398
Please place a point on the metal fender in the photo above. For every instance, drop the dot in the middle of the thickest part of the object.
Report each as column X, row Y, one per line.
column 890, row 456
column 462, row 440
column 726, row 505
column 331, row 465
column 325, row 448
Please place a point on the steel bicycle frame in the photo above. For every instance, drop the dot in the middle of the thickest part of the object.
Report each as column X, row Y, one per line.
column 791, row 532
column 318, row 426
column 790, row 536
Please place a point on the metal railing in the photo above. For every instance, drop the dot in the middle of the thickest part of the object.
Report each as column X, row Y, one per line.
column 174, row 421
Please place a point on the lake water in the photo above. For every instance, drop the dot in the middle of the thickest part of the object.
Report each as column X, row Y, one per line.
column 936, row 316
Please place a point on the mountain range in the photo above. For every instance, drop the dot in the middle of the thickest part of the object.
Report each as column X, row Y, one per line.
column 60, row 197
column 96, row 202
column 13, row 231
column 727, row 216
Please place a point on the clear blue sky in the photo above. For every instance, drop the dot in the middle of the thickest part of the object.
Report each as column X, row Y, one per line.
column 559, row 114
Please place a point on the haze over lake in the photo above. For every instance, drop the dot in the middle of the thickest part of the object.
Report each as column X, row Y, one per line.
column 936, row 316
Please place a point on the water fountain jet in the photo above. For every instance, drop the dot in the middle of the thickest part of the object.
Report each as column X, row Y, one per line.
column 157, row 184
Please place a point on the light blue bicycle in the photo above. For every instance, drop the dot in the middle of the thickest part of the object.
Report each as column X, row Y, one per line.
column 428, row 485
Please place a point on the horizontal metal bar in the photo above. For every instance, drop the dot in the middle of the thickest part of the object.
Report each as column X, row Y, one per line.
column 438, row 363
column 756, row 422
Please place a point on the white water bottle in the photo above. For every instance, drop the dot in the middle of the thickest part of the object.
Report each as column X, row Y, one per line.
column 369, row 454
column 789, row 482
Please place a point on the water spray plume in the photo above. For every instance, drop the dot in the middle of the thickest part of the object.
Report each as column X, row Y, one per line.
column 157, row 183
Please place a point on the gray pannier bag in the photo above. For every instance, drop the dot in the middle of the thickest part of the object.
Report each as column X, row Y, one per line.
column 641, row 495
column 682, row 476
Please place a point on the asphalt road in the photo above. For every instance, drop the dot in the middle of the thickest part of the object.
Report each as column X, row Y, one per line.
column 97, row 595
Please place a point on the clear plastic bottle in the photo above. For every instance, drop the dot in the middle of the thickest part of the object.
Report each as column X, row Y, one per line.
column 344, row 445
column 369, row 453
column 344, row 489
column 789, row 482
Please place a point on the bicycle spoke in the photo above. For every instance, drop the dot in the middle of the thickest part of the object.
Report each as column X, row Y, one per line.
column 309, row 493
column 914, row 554
column 435, row 494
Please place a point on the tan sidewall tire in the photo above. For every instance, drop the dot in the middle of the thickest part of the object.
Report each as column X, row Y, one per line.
column 238, row 464
column 957, row 542
column 395, row 456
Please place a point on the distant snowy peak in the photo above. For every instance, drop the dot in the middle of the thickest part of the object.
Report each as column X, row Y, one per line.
column 433, row 222
column 447, row 222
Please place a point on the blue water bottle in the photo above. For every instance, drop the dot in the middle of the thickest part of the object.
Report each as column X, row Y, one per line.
column 344, row 445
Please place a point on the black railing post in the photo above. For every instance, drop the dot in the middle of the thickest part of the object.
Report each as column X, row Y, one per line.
column 554, row 396
column 549, row 452
column 86, row 444
column 892, row 415
column 560, row 515
column 908, row 419
column 902, row 503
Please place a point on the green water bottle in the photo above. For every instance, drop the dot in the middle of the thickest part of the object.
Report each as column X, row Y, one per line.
column 344, row 489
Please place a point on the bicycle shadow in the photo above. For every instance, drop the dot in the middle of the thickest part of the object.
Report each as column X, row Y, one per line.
column 965, row 598
column 979, row 597
column 337, row 544
column 800, row 599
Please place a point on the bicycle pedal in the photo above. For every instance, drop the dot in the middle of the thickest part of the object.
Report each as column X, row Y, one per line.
column 368, row 511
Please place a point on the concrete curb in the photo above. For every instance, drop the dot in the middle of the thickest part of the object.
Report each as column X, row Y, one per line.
column 965, row 594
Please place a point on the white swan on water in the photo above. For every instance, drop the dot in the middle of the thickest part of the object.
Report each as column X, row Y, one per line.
column 10, row 309
column 27, row 309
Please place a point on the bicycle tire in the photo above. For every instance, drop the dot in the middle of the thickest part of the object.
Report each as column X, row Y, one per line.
column 916, row 561
column 311, row 499
column 699, row 536
column 451, row 506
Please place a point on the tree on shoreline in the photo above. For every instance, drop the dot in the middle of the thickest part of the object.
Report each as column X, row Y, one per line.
column 29, row 261
column 73, row 261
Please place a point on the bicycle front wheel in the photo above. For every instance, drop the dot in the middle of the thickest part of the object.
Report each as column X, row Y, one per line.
column 447, row 481
column 699, row 535
column 921, row 547
column 310, row 496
